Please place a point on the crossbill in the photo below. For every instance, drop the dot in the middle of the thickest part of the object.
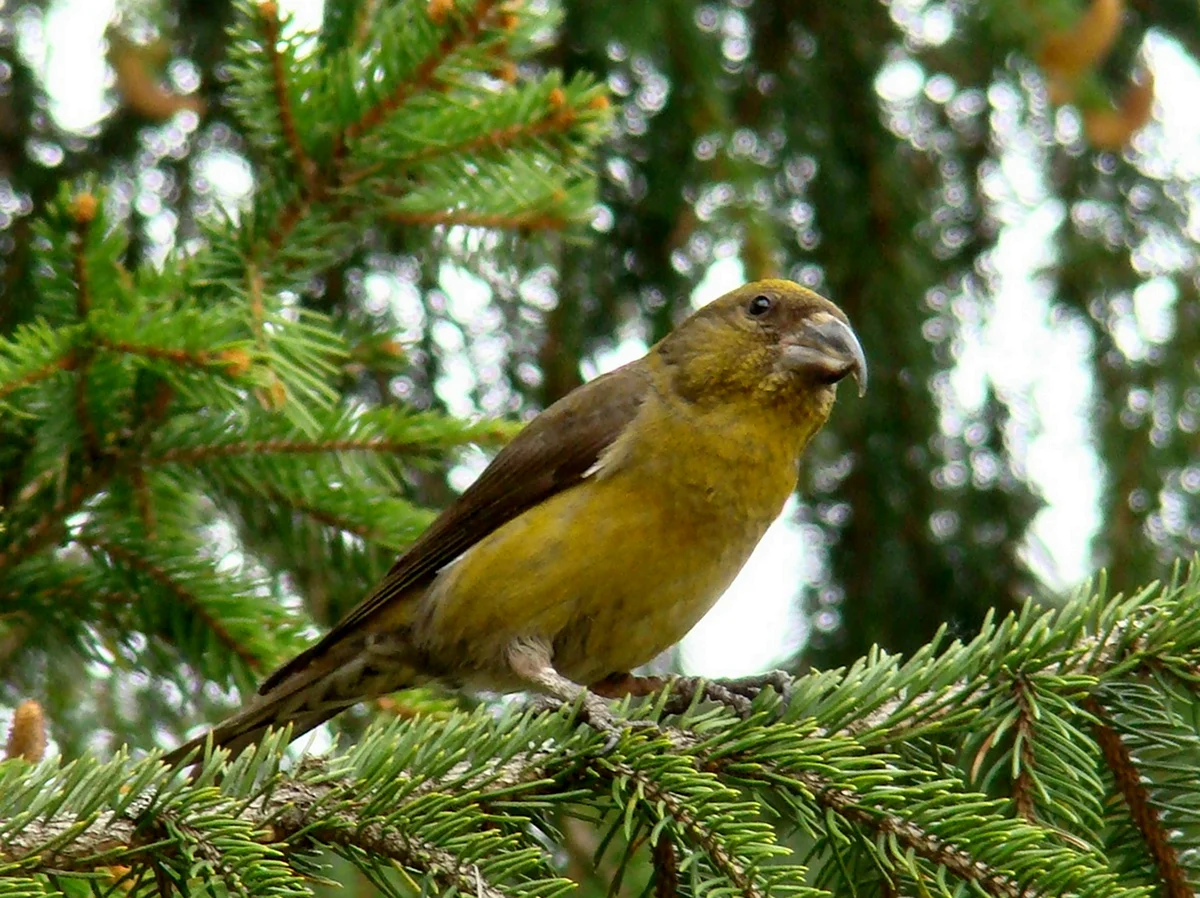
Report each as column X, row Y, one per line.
column 601, row 534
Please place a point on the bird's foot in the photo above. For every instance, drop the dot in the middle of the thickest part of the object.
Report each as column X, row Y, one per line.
column 736, row 694
column 597, row 713
column 750, row 687
column 685, row 691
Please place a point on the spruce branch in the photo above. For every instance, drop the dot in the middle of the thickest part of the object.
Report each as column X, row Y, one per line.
column 1137, row 799
column 326, row 516
column 687, row 782
column 233, row 361
column 370, row 801
column 291, row 815
column 523, row 118
column 694, row 827
column 48, row 528
column 258, row 312
column 666, row 868
column 83, row 211
column 520, row 221
column 291, row 819
column 192, row 454
column 487, row 433
column 269, row 12
column 366, row 12
column 912, row 837
column 67, row 361
column 459, row 31
column 406, row 99
column 369, row 444
column 124, row 556
column 1023, row 785
column 141, row 495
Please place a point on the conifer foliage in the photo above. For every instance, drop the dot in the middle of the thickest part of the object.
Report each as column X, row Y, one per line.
column 1052, row 755
column 155, row 418
column 186, row 480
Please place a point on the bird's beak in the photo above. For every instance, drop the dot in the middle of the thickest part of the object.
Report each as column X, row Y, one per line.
column 828, row 349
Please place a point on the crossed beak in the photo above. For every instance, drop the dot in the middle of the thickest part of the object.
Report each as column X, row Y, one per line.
column 828, row 349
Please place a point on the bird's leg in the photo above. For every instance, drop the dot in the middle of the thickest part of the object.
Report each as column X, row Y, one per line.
column 530, row 660
column 734, row 694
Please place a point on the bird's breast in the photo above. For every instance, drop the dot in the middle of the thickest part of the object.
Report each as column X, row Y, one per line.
column 618, row 568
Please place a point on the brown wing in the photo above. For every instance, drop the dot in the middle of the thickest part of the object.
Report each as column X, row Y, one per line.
column 550, row 455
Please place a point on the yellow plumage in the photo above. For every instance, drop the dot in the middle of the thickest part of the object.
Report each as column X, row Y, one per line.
column 604, row 532
column 618, row 568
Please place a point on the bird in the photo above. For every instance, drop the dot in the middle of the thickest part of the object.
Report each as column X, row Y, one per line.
column 600, row 534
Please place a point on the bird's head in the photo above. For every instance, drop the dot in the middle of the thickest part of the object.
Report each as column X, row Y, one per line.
column 772, row 340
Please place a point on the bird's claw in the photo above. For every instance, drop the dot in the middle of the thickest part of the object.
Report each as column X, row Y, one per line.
column 735, row 694
column 597, row 713
column 779, row 680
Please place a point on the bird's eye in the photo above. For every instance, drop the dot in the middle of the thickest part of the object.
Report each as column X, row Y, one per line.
column 760, row 305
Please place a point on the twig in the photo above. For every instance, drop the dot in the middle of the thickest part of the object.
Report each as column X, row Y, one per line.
column 234, row 361
column 695, row 829
column 47, row 527
column 1023, row 788
column 164, row 579
column 463, row 30
column 460, row 32
column 189, row 454
column 328, row 518
column 522, row 221
column 1137, row 799
column 83, row 210
column 269, row 11
column 141, row 495
column 666, row 868
column 362, row 21
column 558, row 118
column 291, row 811
column 848, row 805
column 65, row 363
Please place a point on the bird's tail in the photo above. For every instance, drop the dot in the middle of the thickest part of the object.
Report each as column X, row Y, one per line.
column 250, row 724
column 342, row 675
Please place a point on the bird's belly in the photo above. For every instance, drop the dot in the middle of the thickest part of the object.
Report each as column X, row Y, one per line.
column 607, row 574
column 650, row 594
column 631, row 620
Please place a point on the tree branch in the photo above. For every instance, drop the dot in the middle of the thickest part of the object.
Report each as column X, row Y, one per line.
column 293, row 814
column 188, row 454
column 1023, row 785
column 165, row 580
column 848, row 805
column 463, row 30
column 1137, row 799
column 66, row 362
column 83, row 210
column 693, row 826
column 522, row 221
column 307, row 170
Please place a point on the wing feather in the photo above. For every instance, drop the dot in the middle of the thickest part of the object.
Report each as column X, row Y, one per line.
column 555, row 452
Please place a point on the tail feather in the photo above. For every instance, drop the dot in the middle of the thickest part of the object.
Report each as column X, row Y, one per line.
column 250, row 725
column 343, row 676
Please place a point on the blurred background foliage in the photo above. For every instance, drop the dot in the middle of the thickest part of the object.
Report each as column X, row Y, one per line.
column 998, row 194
